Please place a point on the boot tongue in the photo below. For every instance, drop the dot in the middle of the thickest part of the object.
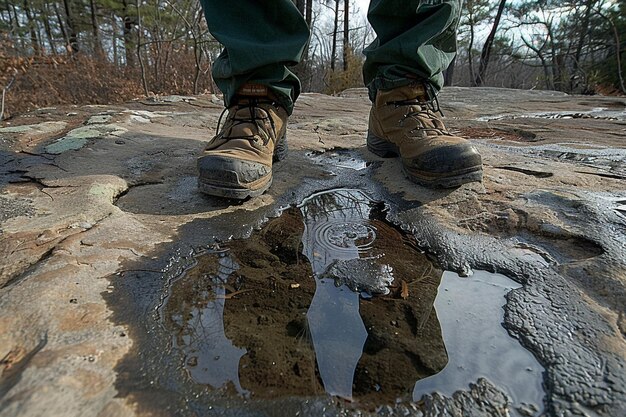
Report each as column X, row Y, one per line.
column 408, row 92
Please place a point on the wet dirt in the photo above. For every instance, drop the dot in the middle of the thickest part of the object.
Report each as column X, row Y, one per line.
column 510, row 134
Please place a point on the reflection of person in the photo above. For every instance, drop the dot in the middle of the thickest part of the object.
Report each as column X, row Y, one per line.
column 361, row 343
column 416, row 41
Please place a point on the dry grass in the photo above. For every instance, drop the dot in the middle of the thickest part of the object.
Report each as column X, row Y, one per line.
column 44, row 81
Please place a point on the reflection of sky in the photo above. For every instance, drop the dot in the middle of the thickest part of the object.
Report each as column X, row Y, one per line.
column 337, row 330
column 212, row 359
column 470, row 313
column 362, row 5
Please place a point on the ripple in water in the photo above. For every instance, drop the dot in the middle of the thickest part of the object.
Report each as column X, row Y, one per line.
column 341, row 236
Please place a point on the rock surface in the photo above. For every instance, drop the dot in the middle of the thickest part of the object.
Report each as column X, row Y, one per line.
column 87, row 191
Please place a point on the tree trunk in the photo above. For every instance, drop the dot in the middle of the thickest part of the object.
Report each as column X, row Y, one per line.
column 448, row 74
column 95, row 29
column 309, row 12
column 7, row 6
column 32, row 26
column 486, row 52
column 333, row 54
column 45, row 18
column 129, row 42
column 346, row 34
column 470, row 53
column 70, row 23
column 61, row 25
column 584, row 30
column 114, row 38
column 544, row 63
column 144, row 82
column 16, row 26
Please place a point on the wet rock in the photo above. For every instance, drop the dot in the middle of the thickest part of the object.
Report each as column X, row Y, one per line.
column 362, row 275
column 83, row 202
column 482, row 399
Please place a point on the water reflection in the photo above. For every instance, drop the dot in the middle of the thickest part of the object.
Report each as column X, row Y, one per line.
column 211, row 357
column 356, row 320
column 357, row 316
column 471, row 316
column 353, row 252
column 336, row 229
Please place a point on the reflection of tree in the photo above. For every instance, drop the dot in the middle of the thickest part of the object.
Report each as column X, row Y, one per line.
column 337, row 204
column 196, row 311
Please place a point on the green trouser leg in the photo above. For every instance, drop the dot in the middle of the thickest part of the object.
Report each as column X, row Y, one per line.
column 416, row 39
column 261, row 38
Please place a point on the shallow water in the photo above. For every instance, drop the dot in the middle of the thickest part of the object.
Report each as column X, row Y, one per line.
column 471, row 315
column 340, row 158
column 601, row 113
column 331, row 298
column 210, row 356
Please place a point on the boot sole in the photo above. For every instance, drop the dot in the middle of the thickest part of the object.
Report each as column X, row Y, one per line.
column 386, row 149
column 241, row 192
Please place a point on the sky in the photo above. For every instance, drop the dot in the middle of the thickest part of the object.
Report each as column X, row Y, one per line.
column 362, row 4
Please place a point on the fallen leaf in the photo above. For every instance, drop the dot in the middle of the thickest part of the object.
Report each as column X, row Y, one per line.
column 405, row 290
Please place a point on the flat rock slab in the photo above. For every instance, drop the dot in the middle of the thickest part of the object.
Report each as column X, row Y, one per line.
column 87, row 192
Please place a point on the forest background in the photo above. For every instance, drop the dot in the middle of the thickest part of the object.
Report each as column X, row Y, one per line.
column 109, row 51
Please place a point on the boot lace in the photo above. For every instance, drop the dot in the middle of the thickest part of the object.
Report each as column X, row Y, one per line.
column 425, row 113
column 235, row 120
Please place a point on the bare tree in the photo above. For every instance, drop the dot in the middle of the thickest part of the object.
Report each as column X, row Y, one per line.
column 346, row 34
column 333, row 54
column 474, row 13
column 95, row 29
column 485, row 56
column 129, row 23
column 71, row 26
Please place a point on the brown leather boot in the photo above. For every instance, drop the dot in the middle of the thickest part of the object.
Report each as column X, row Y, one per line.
column 237, row 162
column 404, row 122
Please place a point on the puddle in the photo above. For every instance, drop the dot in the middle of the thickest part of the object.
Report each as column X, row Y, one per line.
column 330, row 298
column 355, row 255
column 599, row 113
column 276, row 315
column 211, row 357
column 340, row 158
column 471, row 315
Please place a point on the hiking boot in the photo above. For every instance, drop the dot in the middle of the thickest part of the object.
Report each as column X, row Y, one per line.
column 237, row 162
column 405, row 122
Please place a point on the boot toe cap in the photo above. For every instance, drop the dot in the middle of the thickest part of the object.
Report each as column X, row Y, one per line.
column 447, row 159
column 231, row 171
